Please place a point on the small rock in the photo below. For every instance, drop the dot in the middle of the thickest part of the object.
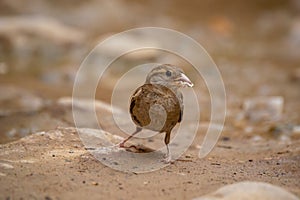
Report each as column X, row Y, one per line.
column 188, row 156
column 225, row 138
column 15, row 100
column 248, row 129
column 48, row 198
column 282, row 132
column 256, row 138
column 248, row 191
column 296, row 75
column 2, row 174
column 115, row 163
column 25, row 35
column 3, row 68
column 296, row 129
column 284, row 138
column 6, row 166
column 132, row 41
column 95, row 183
column 263, row 108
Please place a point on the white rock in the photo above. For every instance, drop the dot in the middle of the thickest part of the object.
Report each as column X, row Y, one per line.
column 14, row 99
column 249, row 191
column 119, row 45
column 296, row 129
column 2, row 174
column 87, row 104
column 23, row 36
column 46, row 28
column 264, row 108
column 6, row 166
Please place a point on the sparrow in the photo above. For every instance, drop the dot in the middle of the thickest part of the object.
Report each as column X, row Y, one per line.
column 158, row 104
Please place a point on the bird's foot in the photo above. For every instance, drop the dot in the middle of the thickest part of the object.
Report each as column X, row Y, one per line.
column 121, row 145
column 168, row 159
column 131, row 148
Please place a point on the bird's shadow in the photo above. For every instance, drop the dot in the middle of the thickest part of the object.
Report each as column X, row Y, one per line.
column 134, row 157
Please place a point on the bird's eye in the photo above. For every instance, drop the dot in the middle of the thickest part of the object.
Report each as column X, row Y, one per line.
column 168, row 73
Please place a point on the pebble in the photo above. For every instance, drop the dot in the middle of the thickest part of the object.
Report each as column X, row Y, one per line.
column 6, row 166
column 256, row 138
column 3, row 68
column 48, row 36
column 225, row 138
column 296, row 75
column 15, row 100
column 296, row 129
column 263, row 108
column 2, row 174
column 95, row 183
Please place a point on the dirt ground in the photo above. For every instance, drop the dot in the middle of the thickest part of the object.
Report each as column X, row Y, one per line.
column 255, row 46
column 56, row 166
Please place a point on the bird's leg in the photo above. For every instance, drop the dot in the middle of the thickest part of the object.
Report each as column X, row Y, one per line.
column 167, row 157
column 138, row 129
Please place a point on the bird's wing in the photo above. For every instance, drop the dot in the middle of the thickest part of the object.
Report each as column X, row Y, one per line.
column 133, row 102
column 180, row 98
column 150, row 95
column 140, row 103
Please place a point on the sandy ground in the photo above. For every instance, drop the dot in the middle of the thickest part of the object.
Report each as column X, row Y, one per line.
column 254, row 44
column 55, row 165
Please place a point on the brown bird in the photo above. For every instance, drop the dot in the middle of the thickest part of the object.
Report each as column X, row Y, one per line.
column 158, row 104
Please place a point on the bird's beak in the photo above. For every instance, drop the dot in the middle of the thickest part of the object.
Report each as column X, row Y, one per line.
column 184, row 80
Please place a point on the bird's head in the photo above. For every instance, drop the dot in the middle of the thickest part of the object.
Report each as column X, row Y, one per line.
column 169, row 76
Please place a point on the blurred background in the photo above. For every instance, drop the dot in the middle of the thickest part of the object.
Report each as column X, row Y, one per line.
column 255, row 44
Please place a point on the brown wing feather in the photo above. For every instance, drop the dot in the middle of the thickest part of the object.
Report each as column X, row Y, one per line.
column 180, row 98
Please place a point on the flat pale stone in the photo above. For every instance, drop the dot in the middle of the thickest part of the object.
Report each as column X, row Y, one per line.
column 6, row 166
column 250, row 191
